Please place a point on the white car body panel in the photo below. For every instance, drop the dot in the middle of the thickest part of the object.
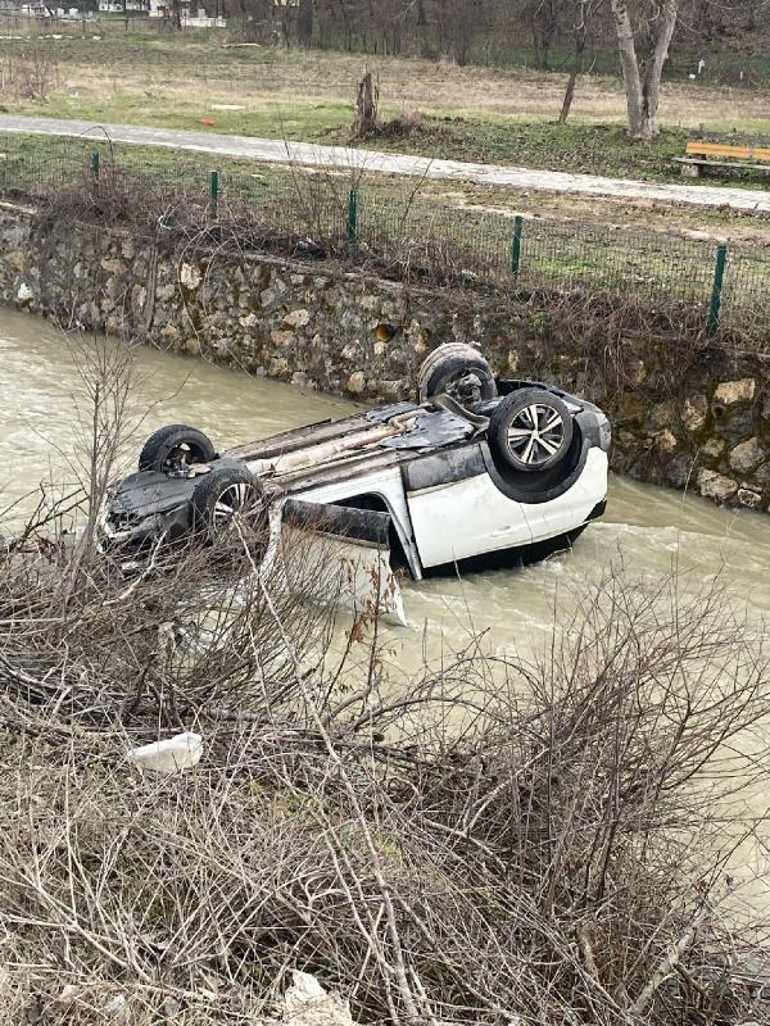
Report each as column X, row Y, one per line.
column 480, row 518
column 388, row 485
column 563, row 514
column 325, row 568
column 474, row 513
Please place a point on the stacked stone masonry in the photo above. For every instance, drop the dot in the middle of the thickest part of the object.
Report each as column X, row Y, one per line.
column 694, row 418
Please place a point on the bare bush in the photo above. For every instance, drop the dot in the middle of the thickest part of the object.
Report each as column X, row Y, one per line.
column 494, row 841
column 31, row 73
column 545, row 843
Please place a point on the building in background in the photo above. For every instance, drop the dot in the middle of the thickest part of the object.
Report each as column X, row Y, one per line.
column 191, row 15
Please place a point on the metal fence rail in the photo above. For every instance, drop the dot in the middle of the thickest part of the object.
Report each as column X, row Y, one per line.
column 397, row 232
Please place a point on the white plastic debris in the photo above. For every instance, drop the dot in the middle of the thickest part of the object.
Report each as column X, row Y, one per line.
column 69, row 994
column 117, row 1008
column 190, row 276
column 169, row 756
column 171, row 1007
column 306, row 1003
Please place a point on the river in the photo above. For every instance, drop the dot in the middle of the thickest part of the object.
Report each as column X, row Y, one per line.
column 649, row 531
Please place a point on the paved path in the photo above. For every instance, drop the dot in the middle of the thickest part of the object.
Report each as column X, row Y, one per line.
column 309, row 154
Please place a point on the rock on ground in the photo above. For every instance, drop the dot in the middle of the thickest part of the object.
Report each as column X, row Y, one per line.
column 307, row 1004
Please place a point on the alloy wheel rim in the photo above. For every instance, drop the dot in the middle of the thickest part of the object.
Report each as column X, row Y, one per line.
column 230, row 502
column 536, row 434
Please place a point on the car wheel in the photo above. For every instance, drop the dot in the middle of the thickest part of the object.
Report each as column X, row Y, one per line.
column 175, row 445
column 530, row 430
column 220, row 496
column 458, row 370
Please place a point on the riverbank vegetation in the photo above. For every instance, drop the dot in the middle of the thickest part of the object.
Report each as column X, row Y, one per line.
column 32, row 166
column 553, row 839
column 410, row 231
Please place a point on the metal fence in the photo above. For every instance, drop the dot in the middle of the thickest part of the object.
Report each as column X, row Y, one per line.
column 396, row 230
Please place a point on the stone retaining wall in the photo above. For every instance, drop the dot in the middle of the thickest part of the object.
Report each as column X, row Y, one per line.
column 684, row 414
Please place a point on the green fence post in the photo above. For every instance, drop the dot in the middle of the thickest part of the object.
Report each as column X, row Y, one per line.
column 214, row 189
column 353, row 216
column 716, row 292
column 95, row 165
column 518, row 224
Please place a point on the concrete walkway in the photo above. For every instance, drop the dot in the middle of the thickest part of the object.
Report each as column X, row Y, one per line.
column 309, row 154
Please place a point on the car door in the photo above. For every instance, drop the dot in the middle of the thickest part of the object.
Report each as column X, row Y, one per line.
column 456, row 510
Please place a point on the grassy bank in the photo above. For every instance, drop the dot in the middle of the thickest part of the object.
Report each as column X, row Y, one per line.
column 36, row 166
column 403, row 231
column 482, row 114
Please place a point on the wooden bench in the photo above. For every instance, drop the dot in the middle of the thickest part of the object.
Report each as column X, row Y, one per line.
column 702, row 153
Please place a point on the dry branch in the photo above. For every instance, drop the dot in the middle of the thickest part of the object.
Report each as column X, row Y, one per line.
column 494, row 840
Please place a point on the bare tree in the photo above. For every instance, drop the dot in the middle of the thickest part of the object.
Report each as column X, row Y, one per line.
column 258, row 20
column 544, row 29
column 305, row 22
column 585, row 12
column 464, row 24
column 642, row 64
column 470, row 30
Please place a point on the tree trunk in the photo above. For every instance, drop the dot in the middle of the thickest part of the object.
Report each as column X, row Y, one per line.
column 544, row 26
column 629, row 66
column 366, row 107
column 643, row 90
column 577, row 66
column 536, row 44
column 653, row 69
column 305, row 23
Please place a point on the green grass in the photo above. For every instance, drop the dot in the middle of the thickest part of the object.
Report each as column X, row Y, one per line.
column 35, row 163
column 170, row 81
column 594, row 149
column 396, row 228
column 303, row 121
column 578, row 148
column 599, row 149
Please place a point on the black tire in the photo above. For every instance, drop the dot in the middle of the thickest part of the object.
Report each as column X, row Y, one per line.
column 530, row 430
column 445, row 368
column 173, row 444
column 441, row 352
column 220, row 495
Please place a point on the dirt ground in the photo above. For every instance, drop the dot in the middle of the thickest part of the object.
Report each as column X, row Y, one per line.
column 715, row 225
column 164, row 76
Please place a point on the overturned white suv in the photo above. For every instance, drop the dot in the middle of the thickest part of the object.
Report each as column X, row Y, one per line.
column 477, row 472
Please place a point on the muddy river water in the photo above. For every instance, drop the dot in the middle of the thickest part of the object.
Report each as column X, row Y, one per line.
column 650, row 531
